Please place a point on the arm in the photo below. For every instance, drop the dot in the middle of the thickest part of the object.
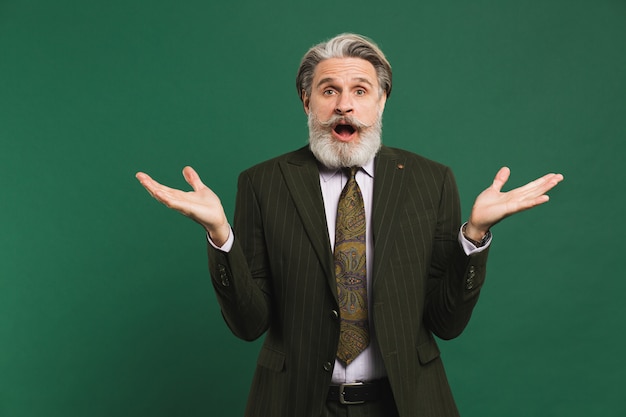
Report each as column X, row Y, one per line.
column 244, row 300
column 456, row 279
column 240, row 277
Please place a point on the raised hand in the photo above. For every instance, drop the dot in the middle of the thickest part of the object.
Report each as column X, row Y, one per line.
column 201, row 205
column 493, row 205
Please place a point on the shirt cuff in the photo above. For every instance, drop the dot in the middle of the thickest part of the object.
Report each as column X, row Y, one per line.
column 468, row 247
column 227, row 246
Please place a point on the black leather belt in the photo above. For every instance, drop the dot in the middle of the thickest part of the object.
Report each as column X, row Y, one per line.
column 359, row 392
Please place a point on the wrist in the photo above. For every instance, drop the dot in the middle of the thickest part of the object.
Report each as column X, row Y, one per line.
column 220, row 234
column 474, row 235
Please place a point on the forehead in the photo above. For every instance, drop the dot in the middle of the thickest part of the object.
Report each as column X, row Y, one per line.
column 345, row 69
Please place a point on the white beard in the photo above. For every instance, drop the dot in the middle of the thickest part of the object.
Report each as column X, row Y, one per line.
column 335, row 154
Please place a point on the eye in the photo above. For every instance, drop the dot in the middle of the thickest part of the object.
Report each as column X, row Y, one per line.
column 360, row 92
column 328, row 92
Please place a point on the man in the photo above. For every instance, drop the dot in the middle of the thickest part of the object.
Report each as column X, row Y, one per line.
column 349, row 272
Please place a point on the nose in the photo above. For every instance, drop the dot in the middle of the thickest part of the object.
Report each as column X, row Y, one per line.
column 344, row 104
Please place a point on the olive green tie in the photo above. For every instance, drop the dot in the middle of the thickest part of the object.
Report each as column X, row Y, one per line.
column 350, row 271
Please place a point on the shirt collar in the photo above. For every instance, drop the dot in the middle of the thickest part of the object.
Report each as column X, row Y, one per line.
column 328, row 173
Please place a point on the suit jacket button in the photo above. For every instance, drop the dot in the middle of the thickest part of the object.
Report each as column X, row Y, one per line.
column 328, row 366
column 469, row 281
column 223, row 275
column 334, row 315
column 225, row 281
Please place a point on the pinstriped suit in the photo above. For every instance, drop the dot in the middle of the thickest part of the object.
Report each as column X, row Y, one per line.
column 279, row 278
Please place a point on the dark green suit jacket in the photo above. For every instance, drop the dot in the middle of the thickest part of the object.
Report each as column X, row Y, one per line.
column 279, row 278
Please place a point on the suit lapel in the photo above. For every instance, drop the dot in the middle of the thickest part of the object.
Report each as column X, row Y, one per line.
column 388, row 180
column 301, row 175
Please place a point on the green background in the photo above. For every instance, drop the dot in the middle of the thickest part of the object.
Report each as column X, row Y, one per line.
column 106, row 308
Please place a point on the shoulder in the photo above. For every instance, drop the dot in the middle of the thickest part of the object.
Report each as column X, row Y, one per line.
column 411, row 161
column 302, row 156
column 276, row 172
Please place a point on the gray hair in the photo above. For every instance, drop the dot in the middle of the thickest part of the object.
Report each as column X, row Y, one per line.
column 346, row 45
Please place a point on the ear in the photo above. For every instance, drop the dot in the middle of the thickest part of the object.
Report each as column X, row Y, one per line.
column 382, row 100
column 305, row 102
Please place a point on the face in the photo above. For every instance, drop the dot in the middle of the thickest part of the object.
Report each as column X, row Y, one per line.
column 345, row 111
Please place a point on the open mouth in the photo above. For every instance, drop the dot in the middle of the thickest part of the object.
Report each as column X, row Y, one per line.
column 344, row 131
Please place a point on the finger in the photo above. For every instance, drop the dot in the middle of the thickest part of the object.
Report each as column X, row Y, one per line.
column 147, row 182
column 157, row 190
column 192, row 178
column 556, row 178
column 141, row 176
column 501, row 178
column 535, row 201
column 540, row 185
column 549, row 182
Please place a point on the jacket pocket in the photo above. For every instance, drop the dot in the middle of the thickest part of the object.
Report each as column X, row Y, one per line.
column 428, row 351
column 271, row 359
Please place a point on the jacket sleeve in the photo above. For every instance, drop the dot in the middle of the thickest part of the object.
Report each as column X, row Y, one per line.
column 455, row 279
column 242, row 284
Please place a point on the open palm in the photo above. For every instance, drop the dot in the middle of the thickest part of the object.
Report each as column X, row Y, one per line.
column 201, row 205
column 493, row 205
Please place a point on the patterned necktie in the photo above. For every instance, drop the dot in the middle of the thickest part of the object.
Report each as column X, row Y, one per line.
column 350, row 271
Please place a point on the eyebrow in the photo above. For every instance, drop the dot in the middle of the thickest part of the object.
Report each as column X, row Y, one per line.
column 330, row 80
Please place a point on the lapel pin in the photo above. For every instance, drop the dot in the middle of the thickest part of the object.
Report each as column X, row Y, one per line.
column 400, row 166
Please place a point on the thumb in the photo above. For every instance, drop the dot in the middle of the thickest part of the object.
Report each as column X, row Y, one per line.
column 501, row 178
column 192, row 178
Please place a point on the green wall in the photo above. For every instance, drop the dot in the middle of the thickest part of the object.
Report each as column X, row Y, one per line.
column 106, row 308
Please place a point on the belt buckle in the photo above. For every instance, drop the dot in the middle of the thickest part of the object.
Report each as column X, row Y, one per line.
column 342, row 400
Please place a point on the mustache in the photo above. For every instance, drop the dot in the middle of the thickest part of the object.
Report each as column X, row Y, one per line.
column 344, row 120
